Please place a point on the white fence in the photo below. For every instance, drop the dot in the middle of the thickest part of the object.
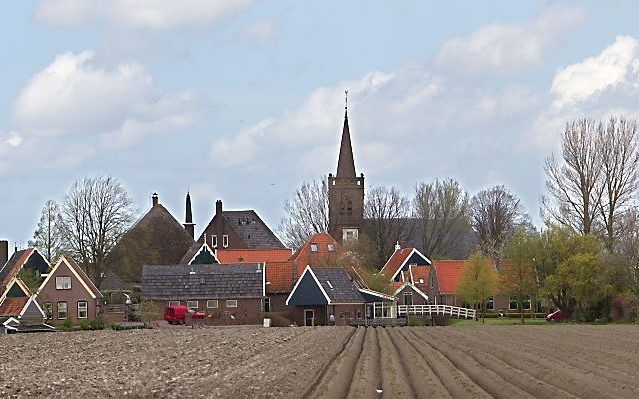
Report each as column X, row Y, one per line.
column 445, row 310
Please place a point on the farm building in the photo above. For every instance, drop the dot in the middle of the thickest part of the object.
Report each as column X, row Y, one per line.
column 227, row 294
column 68, row 292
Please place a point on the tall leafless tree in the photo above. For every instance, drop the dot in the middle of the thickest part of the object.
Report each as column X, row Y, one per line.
column 386, row 211
column 573, row 184
column 96, row 211
column 617, row 146
column 496, row 212
column 442, row 211
column 306, row 213
column 48, row 234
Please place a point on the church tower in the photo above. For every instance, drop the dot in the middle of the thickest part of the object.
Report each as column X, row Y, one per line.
column 188, row 220
column 345, row 192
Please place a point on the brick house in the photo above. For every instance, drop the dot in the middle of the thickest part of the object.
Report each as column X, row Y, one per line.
column 238, row 230
column 19, row 310
column 320, row 292
column 29, row 259
column 68, row 292
column 227, row 294
column 410, row 275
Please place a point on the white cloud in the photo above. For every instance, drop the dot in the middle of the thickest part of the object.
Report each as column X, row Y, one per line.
column 75, row 96
column 14, row 139
column 187, row 15
column 616, row 64
column 507, row 47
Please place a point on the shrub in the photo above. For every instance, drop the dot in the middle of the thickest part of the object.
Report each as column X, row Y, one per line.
column 415, row 321
column 67, row 324
column 116, row 326
column 84, row 325
column 441, row 320
column 97, row 323
column 622, row 309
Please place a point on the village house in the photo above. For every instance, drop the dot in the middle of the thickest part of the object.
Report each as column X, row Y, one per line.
column 408, row 272
column 30, row 260
column 321, row 292
column 68, row 293
column 19, row 310
column 227, row 294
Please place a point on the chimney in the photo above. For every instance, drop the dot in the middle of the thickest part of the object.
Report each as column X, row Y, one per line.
column 218, row 207
column 155, row 199
column 4, row 252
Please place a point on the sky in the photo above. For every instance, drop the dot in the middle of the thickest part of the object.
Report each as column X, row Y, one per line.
column 243, row 100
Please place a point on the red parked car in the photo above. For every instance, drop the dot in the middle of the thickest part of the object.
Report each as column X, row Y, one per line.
column 175, row 314
column 555, row 316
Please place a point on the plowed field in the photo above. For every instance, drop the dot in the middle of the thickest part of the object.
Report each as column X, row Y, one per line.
column 328, row 362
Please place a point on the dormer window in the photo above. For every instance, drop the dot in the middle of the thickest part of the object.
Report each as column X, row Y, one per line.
column 421, row 281
column 313, row 247
column 214, row 241
column 331, row 247
column 225, row 241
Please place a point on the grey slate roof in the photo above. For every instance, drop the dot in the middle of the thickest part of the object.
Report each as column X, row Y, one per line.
column 252, row 230
column 343, row 289
column 244, row 280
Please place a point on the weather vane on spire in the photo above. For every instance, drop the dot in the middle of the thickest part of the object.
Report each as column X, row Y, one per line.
column 346, row 100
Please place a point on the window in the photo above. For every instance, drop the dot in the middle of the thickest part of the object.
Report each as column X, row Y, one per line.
column 214, row 241
column 225, row 241
column 313, row 247
column 408, row 298
column 512, row 305
column 63, row 283
column 192, row 304
column 490, row 303
column 211, row 304
column 267, row 304
column 349, row 234
column 83, row 312
column 331, row 247
column 421, row 281
column 62, row 310
column 349, row 210
column 174, row 303
column 231, row 303
column 48, row 310
column 527, row 304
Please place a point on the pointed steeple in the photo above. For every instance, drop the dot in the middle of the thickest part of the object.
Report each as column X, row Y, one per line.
column 188, row 220
column 346, row 163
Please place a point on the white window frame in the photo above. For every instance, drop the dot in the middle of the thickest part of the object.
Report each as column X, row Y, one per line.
column 331, row 247
column 174, row 303
column 314, row 247
column 214, row 241
column 490, row 303
column 510, row 302
column 189, row 303
column 66, row 310
column 60, row 283
column 212, row 304
column 231, row 303
column 350, row 234
column 225, row 241
column 84, row 309
column 421, row 281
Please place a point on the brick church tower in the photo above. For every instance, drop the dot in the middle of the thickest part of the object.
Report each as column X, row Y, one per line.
column 345, row 193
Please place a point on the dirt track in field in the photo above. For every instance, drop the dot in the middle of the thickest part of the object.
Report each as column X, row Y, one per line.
column 338, row 362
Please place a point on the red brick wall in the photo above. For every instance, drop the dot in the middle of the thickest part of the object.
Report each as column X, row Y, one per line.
column 417, row 299
column 49, row 294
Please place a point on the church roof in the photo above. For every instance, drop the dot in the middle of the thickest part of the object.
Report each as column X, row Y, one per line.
column 157, row 238
column 346, row 162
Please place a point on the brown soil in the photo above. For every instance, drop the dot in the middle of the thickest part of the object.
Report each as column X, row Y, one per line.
column 325, row 362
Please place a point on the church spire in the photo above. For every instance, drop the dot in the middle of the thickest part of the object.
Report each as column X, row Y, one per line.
column 189, row 226
column 346, row 163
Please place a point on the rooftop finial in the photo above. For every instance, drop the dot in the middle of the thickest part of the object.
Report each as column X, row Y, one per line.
column 346, row 100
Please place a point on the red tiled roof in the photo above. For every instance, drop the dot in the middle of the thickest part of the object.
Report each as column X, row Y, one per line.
column 279, row 277
column 13, row 266
column 306, row 257
column 449, row 273
column 229, row 256
column 422, row 272
column 12, row 306
column 396, row 261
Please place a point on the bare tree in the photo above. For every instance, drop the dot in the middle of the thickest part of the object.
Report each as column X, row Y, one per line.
column 306, row 213
column 442, row 210
column 48, row 235
column 386, row 211
column 617, row 144
column 96, row 211
column 496, row 212
column 574, row 189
